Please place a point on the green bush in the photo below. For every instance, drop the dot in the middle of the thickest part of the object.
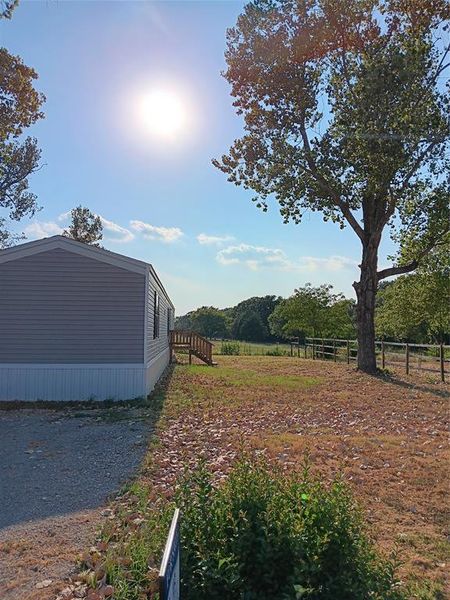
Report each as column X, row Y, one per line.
column 265, row 535
column 230, row 348
column 277, row 351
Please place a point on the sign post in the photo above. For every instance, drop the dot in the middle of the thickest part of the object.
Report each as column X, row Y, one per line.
column 169, row 573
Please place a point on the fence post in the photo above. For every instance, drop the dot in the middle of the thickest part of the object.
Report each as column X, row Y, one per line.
column 298, row 348
column 441, row 360
column 383, row 357
column 292, row 350
column 323, row 350
column 314, row 349
column 334, row 350
column 306, row 347
column 407, row 358
column 348, row 352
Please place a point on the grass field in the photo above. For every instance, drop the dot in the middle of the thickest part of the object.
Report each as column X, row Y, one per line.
column 385, row 436
column 253, row 348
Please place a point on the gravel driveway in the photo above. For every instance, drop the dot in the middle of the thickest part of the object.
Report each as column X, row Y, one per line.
column 57, row 469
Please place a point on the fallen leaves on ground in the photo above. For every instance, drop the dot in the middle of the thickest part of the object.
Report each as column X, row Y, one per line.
column 385, row 435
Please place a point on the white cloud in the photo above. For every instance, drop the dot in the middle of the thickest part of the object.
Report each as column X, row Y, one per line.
column 41, row 229
column 258, row 257
column 112, row 232
column 253, row 257
column 330, row 263
column 117, row 233
column 213, row 240
column 64, row 216
column 160, row 234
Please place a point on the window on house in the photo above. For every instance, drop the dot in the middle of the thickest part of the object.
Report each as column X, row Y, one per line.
column 168, row 321
column 156, row 316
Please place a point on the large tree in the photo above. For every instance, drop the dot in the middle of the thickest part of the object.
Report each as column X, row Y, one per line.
column 346, row 112
column 263, row 306
column 209, row 322
column 85, row 226
column 250, row 327
column 20, row 107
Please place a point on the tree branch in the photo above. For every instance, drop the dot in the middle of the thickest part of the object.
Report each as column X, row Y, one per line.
column 411, row 266
column 344, row 68
column 441, row 66
column 391, row 271
column 326, row 186
column 390, row 207
column 416, row 164
column 351, row 219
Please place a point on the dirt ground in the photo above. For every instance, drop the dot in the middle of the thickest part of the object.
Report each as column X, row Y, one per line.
column 57, row 470
column 387, row 436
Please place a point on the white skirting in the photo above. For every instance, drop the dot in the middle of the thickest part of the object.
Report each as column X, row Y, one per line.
column 155, row 369
column 30, row 382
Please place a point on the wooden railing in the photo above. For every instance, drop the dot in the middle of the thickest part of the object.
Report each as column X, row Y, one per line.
column 195, row 343
column 424, row 357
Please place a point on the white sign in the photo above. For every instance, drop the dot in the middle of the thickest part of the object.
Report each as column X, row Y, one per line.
column 169, row 573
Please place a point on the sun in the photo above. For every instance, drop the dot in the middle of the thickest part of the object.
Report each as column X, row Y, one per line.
column 164, row 113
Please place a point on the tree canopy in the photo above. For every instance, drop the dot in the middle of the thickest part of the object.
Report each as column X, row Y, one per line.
column 20, row 107
column 248, row 320
column 415, row 308
column 412, row 308
column 313, row 312
column 209, row 322
column 346, row 112
column 257, row 309
column 85, row 226
column 249, row 326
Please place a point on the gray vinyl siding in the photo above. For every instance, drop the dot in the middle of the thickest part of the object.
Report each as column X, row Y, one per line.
column 156, row 345
column 60, row 307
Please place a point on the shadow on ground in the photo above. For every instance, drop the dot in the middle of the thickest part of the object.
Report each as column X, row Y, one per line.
column 428, row 389
column 63, row 460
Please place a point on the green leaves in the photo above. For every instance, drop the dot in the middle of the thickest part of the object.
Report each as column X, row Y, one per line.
column 337, row 106
column 313, row 311
column 20, row 103
column 85, row 226
column 414, row 308
column 230, row 348
column 264, row 534
column 209, row 321
column 20, row 107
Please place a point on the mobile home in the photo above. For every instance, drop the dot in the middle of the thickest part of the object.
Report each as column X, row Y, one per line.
column 78, row 322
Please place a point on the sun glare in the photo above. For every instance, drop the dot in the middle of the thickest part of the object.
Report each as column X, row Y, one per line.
column 164, row 113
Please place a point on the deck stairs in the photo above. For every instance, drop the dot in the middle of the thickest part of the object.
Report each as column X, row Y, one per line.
column 194, row 343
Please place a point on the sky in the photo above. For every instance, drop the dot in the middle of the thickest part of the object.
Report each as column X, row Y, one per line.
column 160, row 198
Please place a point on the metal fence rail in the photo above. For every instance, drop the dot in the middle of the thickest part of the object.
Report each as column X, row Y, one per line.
column 424, row 357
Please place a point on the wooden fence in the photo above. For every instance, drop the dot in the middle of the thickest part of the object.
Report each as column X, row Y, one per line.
column 428, row 358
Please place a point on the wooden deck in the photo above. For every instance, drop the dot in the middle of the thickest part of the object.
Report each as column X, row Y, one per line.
column 194, row 343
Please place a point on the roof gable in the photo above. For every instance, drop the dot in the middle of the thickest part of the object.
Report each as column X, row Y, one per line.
column 60, row 241
column 65, row 243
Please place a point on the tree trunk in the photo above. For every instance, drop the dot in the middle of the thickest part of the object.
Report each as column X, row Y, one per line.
column 366, row 289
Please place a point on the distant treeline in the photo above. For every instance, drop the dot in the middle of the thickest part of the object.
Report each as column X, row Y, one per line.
column 412, row 308
column 248, row 320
